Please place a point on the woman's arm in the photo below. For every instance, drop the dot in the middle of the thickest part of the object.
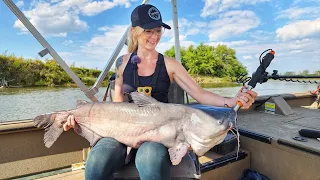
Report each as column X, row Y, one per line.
column 118, row 90
column 184, row 80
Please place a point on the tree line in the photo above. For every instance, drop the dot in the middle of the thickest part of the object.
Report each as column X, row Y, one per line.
column 34, row 72
column 302, row 73
column 205, row 60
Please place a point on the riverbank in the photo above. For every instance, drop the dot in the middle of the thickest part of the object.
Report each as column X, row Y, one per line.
column 209, row 79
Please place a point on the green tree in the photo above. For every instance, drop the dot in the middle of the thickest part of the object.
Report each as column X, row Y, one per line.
column 305, row 72
column 289, row 73
column 208, row 60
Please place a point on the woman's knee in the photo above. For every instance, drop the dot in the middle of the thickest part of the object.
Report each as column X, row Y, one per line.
column 152, row 157
column 108, row 148
column 152, row 149
column 105, row 157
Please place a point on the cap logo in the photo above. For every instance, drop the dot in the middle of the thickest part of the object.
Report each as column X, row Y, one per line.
column 154, row 13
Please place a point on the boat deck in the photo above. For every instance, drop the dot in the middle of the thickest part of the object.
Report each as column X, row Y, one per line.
column 71, row 175
column 284, row 128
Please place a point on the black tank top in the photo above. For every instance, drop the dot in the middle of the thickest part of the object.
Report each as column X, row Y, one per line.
column 159, row 80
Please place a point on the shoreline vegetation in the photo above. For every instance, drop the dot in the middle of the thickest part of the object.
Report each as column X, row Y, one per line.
column 18, row 72
column 205, row 64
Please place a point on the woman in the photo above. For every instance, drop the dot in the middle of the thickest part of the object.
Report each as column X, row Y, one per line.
column 144, row 68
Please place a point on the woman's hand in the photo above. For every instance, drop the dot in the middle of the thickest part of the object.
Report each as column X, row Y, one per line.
column 70, row 123
column 246, row 98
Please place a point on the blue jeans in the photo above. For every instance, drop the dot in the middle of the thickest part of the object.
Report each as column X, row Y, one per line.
column 108, row 155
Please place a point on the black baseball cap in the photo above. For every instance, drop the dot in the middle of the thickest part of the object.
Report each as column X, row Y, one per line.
column 147, row 16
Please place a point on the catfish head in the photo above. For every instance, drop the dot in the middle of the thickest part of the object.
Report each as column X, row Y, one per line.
column 205, row 130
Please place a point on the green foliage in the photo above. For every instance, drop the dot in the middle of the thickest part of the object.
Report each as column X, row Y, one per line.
column 289, row 73
column 305, row 72
column 302, row 73
column 28, row 72
column 207, row 60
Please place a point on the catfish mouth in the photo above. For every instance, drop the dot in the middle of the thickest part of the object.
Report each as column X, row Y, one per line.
column 206, row 142
column 228, row 125
column 202, row 142
column 202, row 145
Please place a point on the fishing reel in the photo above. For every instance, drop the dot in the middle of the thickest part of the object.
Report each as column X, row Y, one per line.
column 259, row 74
column 145, row 90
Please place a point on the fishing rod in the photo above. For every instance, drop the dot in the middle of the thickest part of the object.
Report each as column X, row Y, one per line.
column 256, row 77
column 275, row 76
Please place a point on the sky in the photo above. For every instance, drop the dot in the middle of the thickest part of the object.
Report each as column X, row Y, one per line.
column 85, row 32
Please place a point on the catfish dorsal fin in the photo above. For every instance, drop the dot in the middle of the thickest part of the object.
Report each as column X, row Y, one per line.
column 142, row 100
column 81, row 103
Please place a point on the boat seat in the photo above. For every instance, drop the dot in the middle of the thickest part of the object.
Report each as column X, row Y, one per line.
column 189, row 168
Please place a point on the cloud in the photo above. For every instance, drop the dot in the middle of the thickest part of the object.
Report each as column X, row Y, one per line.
column 214, row 7
column 261, row 35
column 58, row 18
column 97, row 7
column 299, row 29
column 67, row 42
column 295, row 2
column 96, row 52
column 20, row 4
column 232, row 23
column 189, row 28
column 247, row 57
column 53, row 20
column 181, row 38
column 298, row 13
column 230, row 44
column 100, row 47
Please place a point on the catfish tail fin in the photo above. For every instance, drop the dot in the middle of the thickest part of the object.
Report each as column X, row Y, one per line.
column 53, row 125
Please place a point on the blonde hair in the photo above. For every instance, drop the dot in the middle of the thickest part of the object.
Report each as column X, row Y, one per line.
column 133, row 38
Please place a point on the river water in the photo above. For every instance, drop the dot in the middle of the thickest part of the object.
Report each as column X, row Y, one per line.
column 26, row 103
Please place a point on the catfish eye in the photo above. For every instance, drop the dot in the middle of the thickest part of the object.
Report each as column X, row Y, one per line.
column 220, row 122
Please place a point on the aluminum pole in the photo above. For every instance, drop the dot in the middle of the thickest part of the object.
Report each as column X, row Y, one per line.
column 176, row 30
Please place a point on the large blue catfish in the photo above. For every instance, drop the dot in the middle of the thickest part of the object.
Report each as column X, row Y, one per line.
column 176, row 126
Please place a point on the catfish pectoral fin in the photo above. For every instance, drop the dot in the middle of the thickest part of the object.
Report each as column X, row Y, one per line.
column 178, row 152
